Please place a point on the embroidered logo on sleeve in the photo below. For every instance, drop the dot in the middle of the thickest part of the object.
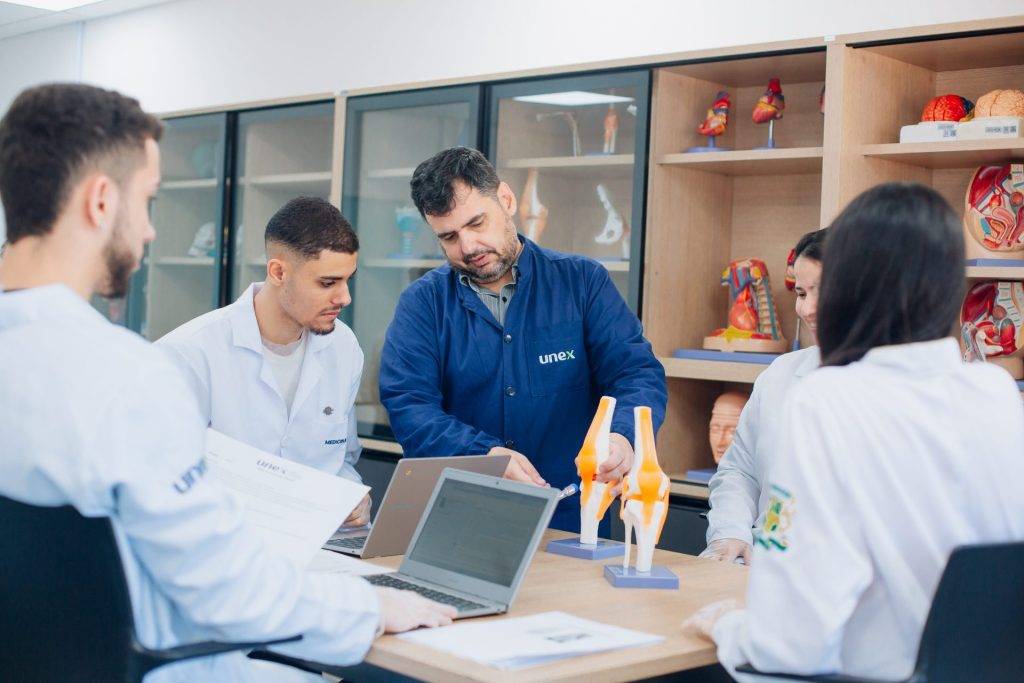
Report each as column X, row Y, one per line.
column 777, row 518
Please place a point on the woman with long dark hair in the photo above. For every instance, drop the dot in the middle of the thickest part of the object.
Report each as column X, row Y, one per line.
column 892, row 454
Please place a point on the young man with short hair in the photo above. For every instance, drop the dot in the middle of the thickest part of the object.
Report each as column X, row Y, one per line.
column 95, row 417
column 276, row 369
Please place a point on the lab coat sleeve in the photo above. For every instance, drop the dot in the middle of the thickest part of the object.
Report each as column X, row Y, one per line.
column 410, row 386
column 194, row 369
column 800, row 598
column 191, row 537
column 353, row 449
column 735, row 488
column 622, row 362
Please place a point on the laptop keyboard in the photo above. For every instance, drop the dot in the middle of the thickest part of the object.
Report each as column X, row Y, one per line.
column 390, row 581
column 352, row 542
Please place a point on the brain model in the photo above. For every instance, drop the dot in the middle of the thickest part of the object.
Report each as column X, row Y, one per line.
column 947, row 108
column 1000, row 103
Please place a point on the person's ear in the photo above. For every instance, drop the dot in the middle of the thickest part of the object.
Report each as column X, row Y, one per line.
column 101, row 197
column 277, row 270
column 507, row 198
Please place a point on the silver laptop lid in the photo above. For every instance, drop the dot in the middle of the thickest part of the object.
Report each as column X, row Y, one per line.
column 479, row 533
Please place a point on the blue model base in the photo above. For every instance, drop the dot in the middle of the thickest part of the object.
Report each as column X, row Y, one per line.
column 701, row 476
column 571, row 547
column 996, row 262
column 658, row 577
column 708, row 149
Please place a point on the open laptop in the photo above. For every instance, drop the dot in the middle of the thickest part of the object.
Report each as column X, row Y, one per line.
column 474, row 543
column 412, row 482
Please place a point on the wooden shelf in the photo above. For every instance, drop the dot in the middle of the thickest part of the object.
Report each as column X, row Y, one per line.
column 381, row 445
column 791, row 160
column 392, row 173
column 184, row 261
column 403, row 262
column 287, row 181
column 995, row 273
column 194, row 184
column 595, row 161
column 952, row 154
column 721, row 371
column 688, row 489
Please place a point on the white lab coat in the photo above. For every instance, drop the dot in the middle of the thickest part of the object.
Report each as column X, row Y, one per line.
column 221, row 354
column 96, row 417
column 883, row 467
column 739, row 489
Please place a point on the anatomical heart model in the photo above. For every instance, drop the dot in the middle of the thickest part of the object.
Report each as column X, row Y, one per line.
column 753, row 319
column 532, row 214
column 644, row 509
column 993, row 315
column 714, row 123
column 595, row 496
column 768, row 108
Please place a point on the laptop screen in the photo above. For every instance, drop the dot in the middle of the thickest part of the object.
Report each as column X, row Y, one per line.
column 478, row 531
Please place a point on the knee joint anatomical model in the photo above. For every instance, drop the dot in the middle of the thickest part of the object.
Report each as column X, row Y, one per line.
column 595, row 496
column 644, row 494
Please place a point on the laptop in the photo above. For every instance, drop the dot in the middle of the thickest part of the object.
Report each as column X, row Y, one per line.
column 412, row 482
column 474, row 543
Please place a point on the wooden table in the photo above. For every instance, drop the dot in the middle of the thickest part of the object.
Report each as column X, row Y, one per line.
column 557, row 583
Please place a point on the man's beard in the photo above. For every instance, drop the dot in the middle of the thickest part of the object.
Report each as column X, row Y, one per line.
column 325, row 330
column 505, row 258
column 119, row 261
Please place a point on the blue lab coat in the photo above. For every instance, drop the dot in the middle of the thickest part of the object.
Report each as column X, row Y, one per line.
column 454, row 382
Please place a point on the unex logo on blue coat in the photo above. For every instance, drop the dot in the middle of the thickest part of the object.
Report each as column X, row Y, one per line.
column 454, row 382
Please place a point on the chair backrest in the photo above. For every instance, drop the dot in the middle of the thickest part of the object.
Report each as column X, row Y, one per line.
column 65, row 611
column 975, row 628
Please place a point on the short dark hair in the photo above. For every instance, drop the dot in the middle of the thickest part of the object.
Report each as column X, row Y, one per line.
column 309, row 225
column 893, row 272
column 51, row 135
column 811, row 245
column 433, row 181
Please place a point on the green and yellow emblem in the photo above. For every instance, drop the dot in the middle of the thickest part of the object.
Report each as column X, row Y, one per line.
column 777, row 518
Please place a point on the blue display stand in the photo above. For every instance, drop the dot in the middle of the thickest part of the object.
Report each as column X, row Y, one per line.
column 571, row 547
column 728, row 356
column 658, row 577
column 1003, row 262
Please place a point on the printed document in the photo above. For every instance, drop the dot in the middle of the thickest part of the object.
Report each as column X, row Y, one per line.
column 294, row 507
column 329, row 562
column 528, row 641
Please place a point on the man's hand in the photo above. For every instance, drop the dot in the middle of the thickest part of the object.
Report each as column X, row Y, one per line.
column 405, row 610
column 519, row 467
column 361, row 515
column 728, row 550
column 703, row 620
column 619, row 461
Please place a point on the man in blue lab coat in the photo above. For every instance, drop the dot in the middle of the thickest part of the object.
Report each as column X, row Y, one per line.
column 508, row 347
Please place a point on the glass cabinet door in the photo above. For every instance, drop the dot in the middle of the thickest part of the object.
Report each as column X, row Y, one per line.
column 573, row 150
column 282, row 153
column 386, row 137
column 181, row 273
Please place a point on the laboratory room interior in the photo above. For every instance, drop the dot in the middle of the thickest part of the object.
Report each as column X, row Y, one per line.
column 409, row 340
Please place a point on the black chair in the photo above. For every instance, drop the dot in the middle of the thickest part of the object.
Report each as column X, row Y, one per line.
column 65, row 611
column 975, row 628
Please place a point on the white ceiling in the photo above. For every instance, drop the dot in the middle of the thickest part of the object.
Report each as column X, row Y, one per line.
column 17, row 19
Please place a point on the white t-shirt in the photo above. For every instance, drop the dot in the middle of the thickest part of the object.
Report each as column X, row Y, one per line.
column 285, row 361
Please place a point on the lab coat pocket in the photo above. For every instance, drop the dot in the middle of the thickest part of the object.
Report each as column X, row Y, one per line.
column 557, row 359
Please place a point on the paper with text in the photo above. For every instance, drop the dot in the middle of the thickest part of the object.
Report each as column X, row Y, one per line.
column 294, row 507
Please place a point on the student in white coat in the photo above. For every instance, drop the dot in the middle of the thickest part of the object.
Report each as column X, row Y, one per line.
column 276, row 369
column 95, row 417
column 739, row 489
column 877, row 477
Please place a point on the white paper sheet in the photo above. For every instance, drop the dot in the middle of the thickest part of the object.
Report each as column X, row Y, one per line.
column 294, row 507
column 328, row 562
column 529, row 641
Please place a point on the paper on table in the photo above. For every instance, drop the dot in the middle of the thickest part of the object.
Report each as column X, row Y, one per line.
column 294, row 507
column 528, row 641
column 328, row 562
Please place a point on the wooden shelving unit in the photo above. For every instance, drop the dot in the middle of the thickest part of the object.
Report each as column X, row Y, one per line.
column 184, row 261
column 995, row 273
column 720, row 371
column 746, row 162
column 390, row 173
column 288, row 181
column 952, row 154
